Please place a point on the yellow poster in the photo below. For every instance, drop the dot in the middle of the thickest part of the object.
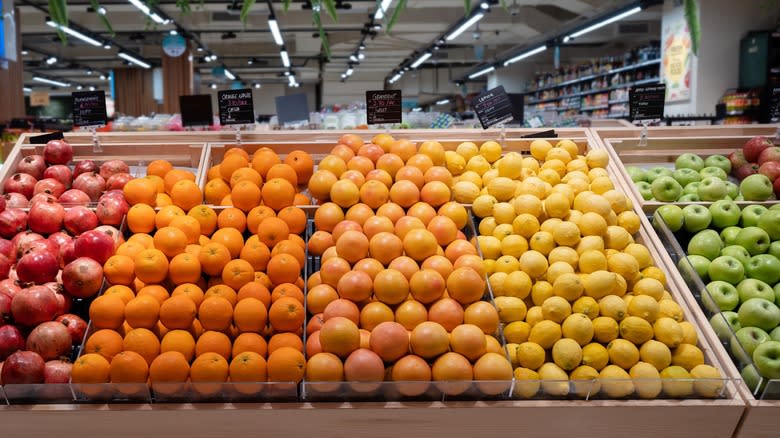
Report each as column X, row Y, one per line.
column 677, row 57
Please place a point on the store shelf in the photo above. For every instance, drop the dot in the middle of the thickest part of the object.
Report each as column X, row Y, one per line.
column 611, row 102
column 594, row 108
column 598, row 75
column 601, row 90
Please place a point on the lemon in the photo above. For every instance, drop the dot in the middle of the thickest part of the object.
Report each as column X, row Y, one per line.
column 689, row 333
column 549, row 225
column 656, row 354
column 567, row 354
column 467, row 150
column 670, row 309
column 612, row 306
column 629, row 221
column 578, row 185
column 636, row 330
column 623, row 264
column 641, row 254
column 545, row 333
column 601, row 185
column 517, row 332
column 584, row 381
column 539, row 149
column 591, row 261
column 472, row 176
column 526, row 383
column 533, row 186
column 616, row 199
column 617, row 238
column 588, row 243
column 623, row 353
column 504, row 213
column 676, row 381
column 507, row 264
column 567, row 234
column 587, row 306
column 525, row 225
column 488, row 265
column 668, row 331
column 502, row 188
column 621, row 286
column 465, row 192
column 568, row 286
column 595, row 173
column 565, row 190
column 687, row 356
column 556, row 205
column 597, row 158
column 517, row 284
column 549, row 176
column 578, row 327
column 483, row 206
column 527, row 203
column 599, row 284
column 574, row 216
column 709, row 382
column 542, row 242
column 564, row 254
column 612, row 220
column 487, row 225
column 595, row 355
column 490, row 150
column 615, row 382
column 558, row 154
column 605, row 329
column 647, row 380
column 497, row 281
column 555, row 381
column 478, row 164
column 534, row 315
column 510, row 166
column 490, row 247
column 577, row 165
column 649, row 286
column 654, row 272
column 645, row 307
column 455, row 163
column 492, row 174
column 510, row 309
column 556, row 309
column 511, row 352
column 557, row 269
column 533, row 263
column 540, row 291
column 501, row 231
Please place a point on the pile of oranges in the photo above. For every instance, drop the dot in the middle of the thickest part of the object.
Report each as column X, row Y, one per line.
column 164, row 185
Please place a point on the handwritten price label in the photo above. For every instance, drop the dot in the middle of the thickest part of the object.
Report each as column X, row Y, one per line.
column 89, row 108
column 236, row 107
column 493, row 107
column 383, row 106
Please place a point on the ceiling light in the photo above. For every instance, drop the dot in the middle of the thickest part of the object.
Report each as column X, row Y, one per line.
column 257, row 85
column 285, row 58
column 79, row 87
column 25, row 52
column 173, row 32
column 101, row 11
column 51, row 60
column 250, row 61
column 50, row 81
column 443, row 102
column 353, row 58
column 349, row 71
column 421, row 59
column 102, row 77
column 213, row 86
column 484, row 5
column 230, row 75
column 362, row 47
column 274, row 26
column 106, row 46
column 91, row 88
column 214, row 57
column 75, row 33
column 343, row 76
column 462, row 28
column 482, row 72
column 380, row 12
column 89, row 72
column 395, row 78
column 27, row 89
column 416, row 109
column 148, row 12
column 291, row 81
column 525, row 55
column 603, row 23
column 134, row 60
column 199, row 49
column 361, row 56
column 287, row 73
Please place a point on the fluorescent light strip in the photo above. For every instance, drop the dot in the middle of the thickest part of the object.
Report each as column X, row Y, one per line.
column 274, row 26
column 421, row 59
column 50, row 81
column 135, row 61
column 349, row 71
column 285, row 58
column 75, row 33
column 27, row 89
column 443, row 102
column 525, row 55
column 230, row 75
column 482, row 72
column 148, row 12
column 395, row 78
column 603, row 23
column 454, row 34
column 380, row 13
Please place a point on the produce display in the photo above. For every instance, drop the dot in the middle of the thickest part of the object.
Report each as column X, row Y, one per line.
column 736, row 253
column 755, row 167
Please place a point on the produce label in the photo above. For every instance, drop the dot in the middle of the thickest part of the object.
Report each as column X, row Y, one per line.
column 383, row 106
column 196, row 110
column 647, row 103
column 89, row 108
column 236, row 107
column 493, row 107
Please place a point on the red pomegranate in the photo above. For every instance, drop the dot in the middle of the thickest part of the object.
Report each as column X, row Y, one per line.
column 20, row 183
column 76, row 326
column 49, row 186
column 49, row 339
column 37, row 267
column 5, row 309
column 24, row 367
column 61, row 173
column 46, row 217
column 84, row 167
column 80, row 219
column 33, row 165
column 22, row 241
column 96, row 245
column 11, row 340
column 7, row 249
column 90, row 183
column 57, row 371
column 5, row 266
column 74, row 197
column 113, row 233
column 117, row 181
column 34, row 305
column 42, row 197
column 113, row 167
column 16, row 200
column 59, row 238
column 111, row 210
column 10, row 287
column 57, row 152
column 82, row 277
column 12, row 222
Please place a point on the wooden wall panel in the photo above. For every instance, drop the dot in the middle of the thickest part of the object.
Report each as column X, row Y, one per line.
column 177, row 79
column 134, row 93
column 12, row 81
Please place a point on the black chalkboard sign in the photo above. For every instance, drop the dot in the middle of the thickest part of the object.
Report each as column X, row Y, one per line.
column 45, row 138
column 493, row 107
column 196, row 110
column 291, row 109
column 89, row 108
column 383, row 106
column 647, row 103
column 774, row 105
column 236, row 107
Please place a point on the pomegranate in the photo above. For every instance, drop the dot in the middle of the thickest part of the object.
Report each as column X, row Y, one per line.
column 24, row 367
column 7, row 249
column 46, row 217
column 82, row 277
column 74, row 197
column 5, row 266
column 67, row 253
column 111, row 210
column 63, row 300
column 12, row 222
column 42, row 197
column 76, row 326
column 49, row 185
column 33, row 165
column 11, row 340
column 90, row 183
column 61, row 173
column 80, row 219
column 34, row 305
column 16, row 200
column 113, row 233
column 12, row 275
column 96, row 245
column 59, row 238
column 57, row 371
column 58, row 152
column 84, row 167
column 2, row 203
column 117, row 181
column 43, row 245
column 10, row 287
column 22, row 241
column 20, row 183
column 113, row 167
column 37, row 267
column 50, row 339
column 5, row 309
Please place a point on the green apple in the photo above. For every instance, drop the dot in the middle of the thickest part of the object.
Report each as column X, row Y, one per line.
column 686, row 176
column 725, row 324
column 745, row 341
column 774, row 249
column 666, row 189
column 696, row 217
column 756, row 187
column 725, row 213
column 718, row 161
column 738, row 253
column 758, row 312
column 714, row 172
column 726, row 269
column 672, row 215
column 729, row 235
column 751, row 214
column 753, row 239
column 777, row 293
column 657, row 172
column 689, row 161
column 775, row 334
column 775, row 206
column 769, row 221
column 750, row 288
column 712, row 189
column 694, row 263
column 764, row 267
column 645, row 190
column 732, row 190
column 766, row 357
column 705, row 243
column 636, row 173
column 739, row 198
column 689, row 197
column 753, row 379
column 692, row 188
column 723, row 295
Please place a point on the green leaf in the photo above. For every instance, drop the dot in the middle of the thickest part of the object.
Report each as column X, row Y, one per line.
column 323, row 36
column 503, row 5
column 58, row 12
column 399, row 7
column 245, row 9
column 467, row 5
column 694, row 26
column 287, row 5
column 330, row 6
column 107, row 24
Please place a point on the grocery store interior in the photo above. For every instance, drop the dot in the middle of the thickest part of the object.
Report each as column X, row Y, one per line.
column 390, row 217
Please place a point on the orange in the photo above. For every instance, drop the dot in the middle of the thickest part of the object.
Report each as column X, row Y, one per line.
column 140, row 218
column 245, row 195
column 250, row 315
column 295, row 219
column 333, row 164
column 128, row 367
column 302, row 163
column 222, row 291
column 144, row 240
column 343, row 151
column 355, row 176
column 155, row 291
column 215, row 313
column 256, row 215
column 176, row 175
column 209, row 367
column 158, row 181
column 206, row 217
column 286, row 365
column 352, row 140
column 297, row 240
column 180, row 341
column 236, row 150
column 170, row 366
column 166, row 214
column 249, row 342
column 256, row 253
column 278, row 193
column 119, row 269
column 410, row 173
column 246, row 174
column 231, row 238
column 420, row 161
column 189, row 225
column 345, row 193
column 360, row 164
column 287, row 339
column 320, row 183
column 215, row 190
column 283, row 268
column 272, row 230
column 291, row 248
column 140, row 191
column 213, row 342
column 142, row 312
column 327, row 216
column 107, row 312
column 231, row 163
column 213, row 173
column 90, row 368
column 390, row 163
column 130, row 248
column 184, row 268
column 404, row 193
column 284, row 171
column 232, row 218
column 391, row 287
column 256, row 290
column 162, row 200
column 178, row 312
column 248, row 367
column 186, row 194
column 213, row 257
column 286, row 315
column 263, row 159
column 105, row 342
column 226, row 201
column 159, row 168
column 170, row 240
column 262, row 278
column 123, row 292
column 237, row 273
column 319, row 242
column 404, row 148
column 191, row 291
column 143, row 342
column 319, row 296
column 287, row 290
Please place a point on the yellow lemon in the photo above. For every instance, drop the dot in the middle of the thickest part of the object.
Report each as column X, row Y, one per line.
column 676, row 382
column 467, row 150
column 647, row 380
column 623, row 353
column 568, row 286
column 597, row 172
column 540, row 291
column 587, row 306
column 601, row 185
column 527, row 204
column 668, row 331
column 545, row 333
column 636, row 330
column 556, row 205
column 517, row 284
column 504, row 213
column 534, row 316
column 624, row 265
column 687, row 356
column 490, row 150
column 670, row 309
column 569, row 146
column 645, row 307
column 497, row 282
column 492, row 174
column 709, row 382
column 617, row 200
column 605, row 329
column 555, row 381
column 578, row 164
column 530, row 355
column 490, row 247
column 549, row 176
column 599, row 284
column 558, row 154
column 502, row 231
column 567, row 354
column 539, row 149
column 591, row 224
column 472, row 176
column 584, row 381
column 629, row 221
column 567, row 234
column 542, row 241
column 510, row 165
column 557, row 269
column 533, row 186
column 689, row 333
column 590, row 242
column 465, row 192
column 612, row 306
column 654, row 272
column 478, row 164
column 641, row 254
column 526, row 383
column 564, row 254
column 487, row 225
column 517, row 331
column 525, row 225
column 578, row 327
column 455, row 163
column 597, row 158
column 502, row 188
column 649, row 286
column 615, row 382
column 595, row 355
column 556, row 309
column 510, row 309
column 513, row 245
column 531, row 164
column 483, row 205
column 533, row 263
column 656, row 354
column 591, row 261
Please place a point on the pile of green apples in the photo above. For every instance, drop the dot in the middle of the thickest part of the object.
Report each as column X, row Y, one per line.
column 696, row 179
column 736, row 252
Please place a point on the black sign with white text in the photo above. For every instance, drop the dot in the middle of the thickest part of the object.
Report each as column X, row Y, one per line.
column 774, row 106
column 647, row 103
column 89, row 108
column 236, row 107
column 383, row 106
column 493, row 107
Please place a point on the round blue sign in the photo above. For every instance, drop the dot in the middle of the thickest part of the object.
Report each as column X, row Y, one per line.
column 174, row 45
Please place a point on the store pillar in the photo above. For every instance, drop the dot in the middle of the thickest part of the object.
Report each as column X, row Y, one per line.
column 12, row 80
column 177, row 73
column 134, row 92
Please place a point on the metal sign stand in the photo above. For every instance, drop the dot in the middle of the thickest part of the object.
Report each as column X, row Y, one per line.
column 95, row 141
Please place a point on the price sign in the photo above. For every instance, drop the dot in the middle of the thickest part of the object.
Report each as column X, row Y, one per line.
column 647, row 103
column 493, row 107
column 383, row 106
column 774, row 106
column 45, row 138
column 196, row 110
column 236, row 107
column 89, row 108
column 39, row 98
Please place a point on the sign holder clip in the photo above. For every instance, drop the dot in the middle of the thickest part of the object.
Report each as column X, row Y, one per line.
column 643, row 135
column 238, row 136
column 95, row 140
